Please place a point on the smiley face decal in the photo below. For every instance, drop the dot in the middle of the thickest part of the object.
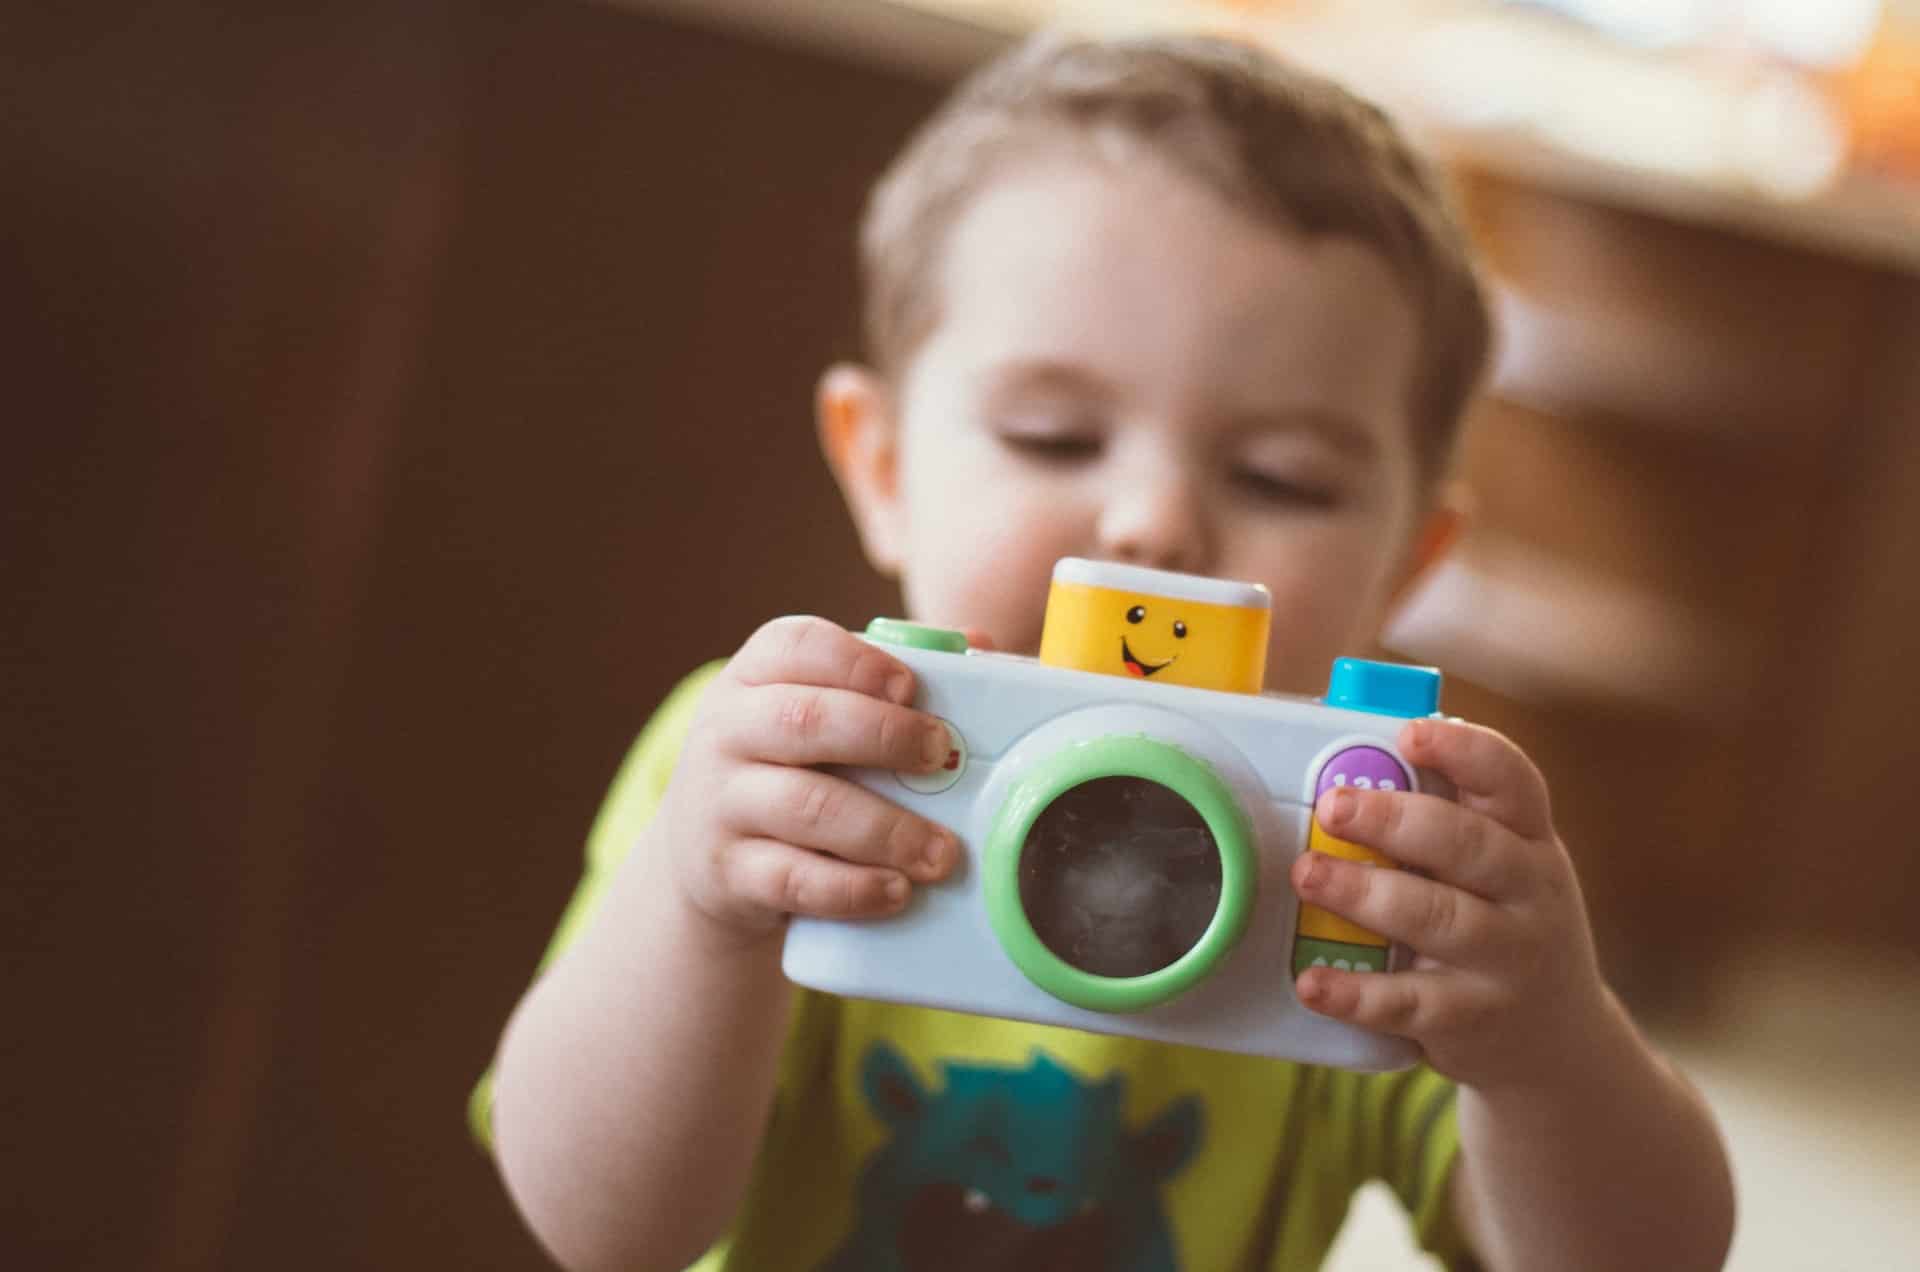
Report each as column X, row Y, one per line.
column 1136, row 665
column 1125, row 620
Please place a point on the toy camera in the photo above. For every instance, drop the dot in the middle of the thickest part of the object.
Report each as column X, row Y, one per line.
column 1128, row 806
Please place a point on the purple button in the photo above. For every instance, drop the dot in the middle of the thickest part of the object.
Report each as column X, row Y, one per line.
column 1365, row 767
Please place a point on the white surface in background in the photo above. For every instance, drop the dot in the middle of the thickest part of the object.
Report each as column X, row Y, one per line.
column 1736, row 127
column 1824, row 33
column 1377, row 1237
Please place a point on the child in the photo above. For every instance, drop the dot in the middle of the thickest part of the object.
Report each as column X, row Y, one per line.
column 1164, row 303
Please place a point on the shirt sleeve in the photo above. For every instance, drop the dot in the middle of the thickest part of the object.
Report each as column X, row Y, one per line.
column 1405, row 1131
column 630, row 805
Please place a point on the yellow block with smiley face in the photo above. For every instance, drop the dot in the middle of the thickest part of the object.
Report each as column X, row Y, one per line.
column 1178, row 629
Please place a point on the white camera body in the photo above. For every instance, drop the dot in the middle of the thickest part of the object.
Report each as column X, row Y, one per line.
column 1003, row 937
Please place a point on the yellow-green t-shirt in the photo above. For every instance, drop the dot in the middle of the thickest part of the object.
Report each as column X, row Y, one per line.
column 905, row 1138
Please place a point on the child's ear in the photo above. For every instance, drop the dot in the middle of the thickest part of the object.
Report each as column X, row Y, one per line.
column 1445, row 523
column 854, row 414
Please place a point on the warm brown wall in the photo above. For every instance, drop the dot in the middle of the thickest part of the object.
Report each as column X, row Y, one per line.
column 1847, row 860
column 401, row 398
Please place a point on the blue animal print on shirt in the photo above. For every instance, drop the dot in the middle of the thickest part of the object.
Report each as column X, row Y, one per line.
column 1016, row 1170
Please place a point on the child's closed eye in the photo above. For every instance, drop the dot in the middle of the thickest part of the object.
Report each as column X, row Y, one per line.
column 1049, row 446
column 1284, row 488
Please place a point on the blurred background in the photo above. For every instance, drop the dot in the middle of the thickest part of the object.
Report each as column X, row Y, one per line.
column 402, row 394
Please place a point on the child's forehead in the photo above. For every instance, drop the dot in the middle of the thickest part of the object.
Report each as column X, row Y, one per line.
column 1072, row 228
column 1105, row 279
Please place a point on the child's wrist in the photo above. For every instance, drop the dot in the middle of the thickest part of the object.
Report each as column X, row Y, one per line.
column 1582, row 1062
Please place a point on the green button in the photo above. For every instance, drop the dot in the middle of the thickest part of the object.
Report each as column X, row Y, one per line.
column 897, row 631
column 1309, row 952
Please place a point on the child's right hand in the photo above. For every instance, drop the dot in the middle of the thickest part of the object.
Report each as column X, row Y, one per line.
column 755, row 831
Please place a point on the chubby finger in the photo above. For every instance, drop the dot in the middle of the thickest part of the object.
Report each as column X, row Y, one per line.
column 1435, row 918
column 1410, row 1004
column 1454, row 844
column 803, row 650
column 803, row 724
column 828, row 814
column 1493, row 775
column 781, row 878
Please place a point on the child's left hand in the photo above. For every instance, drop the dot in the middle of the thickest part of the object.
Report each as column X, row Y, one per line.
column 1506, row 989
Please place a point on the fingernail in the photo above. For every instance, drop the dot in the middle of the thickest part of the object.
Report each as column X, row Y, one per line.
column 896, row 891
column 1336, row 806
column 1314, row 873
column 933, row 752
column 900, row 688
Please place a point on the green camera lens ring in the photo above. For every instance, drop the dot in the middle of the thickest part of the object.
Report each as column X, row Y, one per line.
column 1055, row 775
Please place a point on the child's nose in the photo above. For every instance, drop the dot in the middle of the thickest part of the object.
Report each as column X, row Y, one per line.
column 1158, row 522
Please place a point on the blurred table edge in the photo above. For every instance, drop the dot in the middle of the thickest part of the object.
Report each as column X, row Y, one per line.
column 1863, row 218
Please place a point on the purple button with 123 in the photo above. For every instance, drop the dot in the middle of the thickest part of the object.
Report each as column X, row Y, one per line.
column 1367, row 767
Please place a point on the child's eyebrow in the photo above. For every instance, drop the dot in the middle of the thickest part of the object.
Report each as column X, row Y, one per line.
column 1052, row 376
column 1335, row 428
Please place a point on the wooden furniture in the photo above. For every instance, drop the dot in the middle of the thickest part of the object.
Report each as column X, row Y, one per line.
column 1715, row 435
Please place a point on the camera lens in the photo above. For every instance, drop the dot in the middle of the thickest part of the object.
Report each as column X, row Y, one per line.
column 1119, row 876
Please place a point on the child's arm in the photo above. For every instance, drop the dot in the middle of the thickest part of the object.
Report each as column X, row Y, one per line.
column 1645, row 1185
column 1580, row 1148
column 635, row 1079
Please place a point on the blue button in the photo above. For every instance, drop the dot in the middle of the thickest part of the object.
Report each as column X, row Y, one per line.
column 1384, row 688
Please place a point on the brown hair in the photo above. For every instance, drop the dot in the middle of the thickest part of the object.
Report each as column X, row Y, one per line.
column 1295, row 149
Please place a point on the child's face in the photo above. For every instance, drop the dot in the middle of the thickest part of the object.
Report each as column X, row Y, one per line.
column 1126, row 367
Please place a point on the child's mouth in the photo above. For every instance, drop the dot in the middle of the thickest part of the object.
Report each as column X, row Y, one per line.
column 1137, row 668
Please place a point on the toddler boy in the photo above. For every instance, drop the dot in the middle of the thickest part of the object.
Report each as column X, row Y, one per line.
column 1166, row 303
